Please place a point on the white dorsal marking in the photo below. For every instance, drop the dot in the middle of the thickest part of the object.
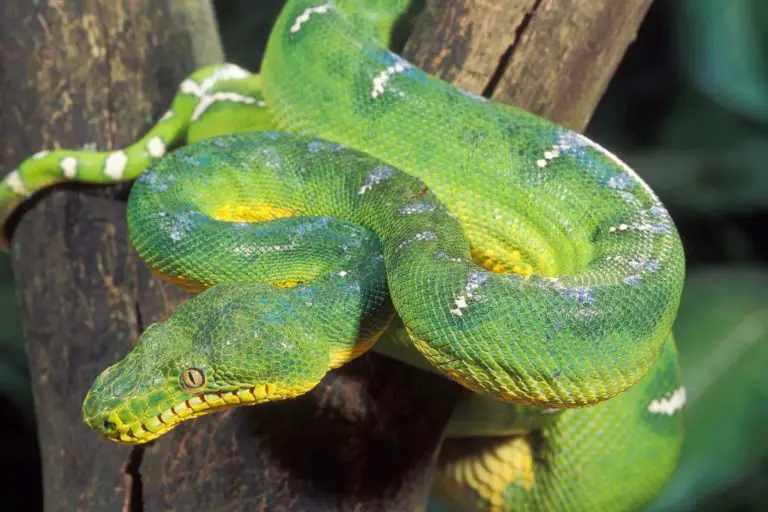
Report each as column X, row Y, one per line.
column 69, row 167
column 210, row 99
column 227, row 72
column 17, row 185
column 302, row 18
column 669, row 404
column 115, row 165
column 381, row 80
column 156, row 147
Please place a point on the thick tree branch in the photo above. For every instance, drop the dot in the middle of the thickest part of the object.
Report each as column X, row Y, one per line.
column 85, row 74
column 551, row 57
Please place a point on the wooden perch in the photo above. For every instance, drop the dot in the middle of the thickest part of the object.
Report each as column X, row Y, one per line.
column 98, row 73
column 551, row 57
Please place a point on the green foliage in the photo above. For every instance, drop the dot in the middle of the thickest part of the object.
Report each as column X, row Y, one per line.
column 722, row 335
column 14, row 376
column 724, row 51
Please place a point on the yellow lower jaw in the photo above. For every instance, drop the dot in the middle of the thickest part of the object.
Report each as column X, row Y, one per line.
column 205, row 403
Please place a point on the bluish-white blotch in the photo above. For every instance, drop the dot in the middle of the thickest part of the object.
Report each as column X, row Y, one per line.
column 375, row 177
column 418, row 237
column 461, row 302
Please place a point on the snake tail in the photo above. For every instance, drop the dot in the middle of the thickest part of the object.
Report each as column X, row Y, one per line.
column 204, row 93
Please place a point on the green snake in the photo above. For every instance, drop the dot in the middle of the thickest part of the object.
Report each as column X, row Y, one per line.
column 342, row 187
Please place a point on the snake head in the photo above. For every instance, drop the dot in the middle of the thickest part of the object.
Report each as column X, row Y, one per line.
column 232, row 345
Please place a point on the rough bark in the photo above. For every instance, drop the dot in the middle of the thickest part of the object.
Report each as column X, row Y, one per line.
column 551, row 57
column 97, row 72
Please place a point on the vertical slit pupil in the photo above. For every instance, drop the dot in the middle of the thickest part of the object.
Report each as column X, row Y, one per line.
column 193, row 378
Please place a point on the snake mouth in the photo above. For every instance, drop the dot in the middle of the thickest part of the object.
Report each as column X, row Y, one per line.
column 144, row 430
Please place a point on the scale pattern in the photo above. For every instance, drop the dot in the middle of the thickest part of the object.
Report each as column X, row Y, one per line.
column 607, row 262
column 526, row 262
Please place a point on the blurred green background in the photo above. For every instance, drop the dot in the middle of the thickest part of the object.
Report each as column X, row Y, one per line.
column 688, row 109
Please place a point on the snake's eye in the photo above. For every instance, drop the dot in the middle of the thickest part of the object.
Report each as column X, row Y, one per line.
column 192, row 379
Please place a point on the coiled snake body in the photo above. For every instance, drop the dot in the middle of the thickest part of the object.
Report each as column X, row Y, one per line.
column 524, row 261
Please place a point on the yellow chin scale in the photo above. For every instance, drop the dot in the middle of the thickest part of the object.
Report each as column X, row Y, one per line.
column 489, row 470
column 205, row 403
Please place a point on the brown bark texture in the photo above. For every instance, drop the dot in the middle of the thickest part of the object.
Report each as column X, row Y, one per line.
column 98, row 73
column 551, row 57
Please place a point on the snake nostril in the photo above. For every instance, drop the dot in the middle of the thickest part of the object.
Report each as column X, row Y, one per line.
column 108, row 426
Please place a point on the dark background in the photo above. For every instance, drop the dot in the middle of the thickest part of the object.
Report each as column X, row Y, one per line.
column 688, row 109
